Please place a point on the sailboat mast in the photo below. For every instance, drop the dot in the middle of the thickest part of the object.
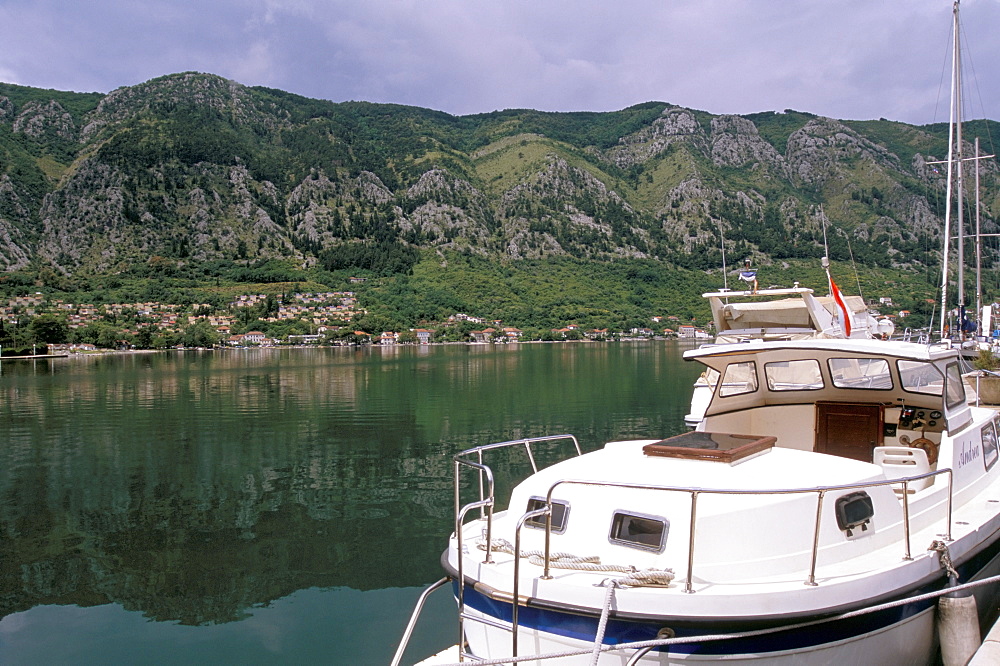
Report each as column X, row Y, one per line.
column 960, row 168
column 951, row 167
column 979, row 246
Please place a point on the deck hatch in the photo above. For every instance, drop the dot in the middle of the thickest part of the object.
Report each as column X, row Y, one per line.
column 854, row 510
column 721, row 447
column 560, row 513
column 637, row 530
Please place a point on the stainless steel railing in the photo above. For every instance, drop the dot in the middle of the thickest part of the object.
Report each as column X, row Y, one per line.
column 487, row 500
column 820, row 492
column 472, row 459
column 398, row 656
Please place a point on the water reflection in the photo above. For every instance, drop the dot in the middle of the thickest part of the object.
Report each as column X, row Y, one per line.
column 195, row 487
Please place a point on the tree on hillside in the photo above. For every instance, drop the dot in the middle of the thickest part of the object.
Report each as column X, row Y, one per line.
column 200, row 334
column 49, row 329
column 99, row 334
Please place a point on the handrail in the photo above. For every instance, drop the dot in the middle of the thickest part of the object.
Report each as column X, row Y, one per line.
column 485, row 501
column 525, row 441
column 821, row 492
column 459, row 517
column 405, row 641
column 460, row 460
column 515, row 591
column 485, row 505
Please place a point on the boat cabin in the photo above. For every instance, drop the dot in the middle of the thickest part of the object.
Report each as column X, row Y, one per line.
column 852, row 397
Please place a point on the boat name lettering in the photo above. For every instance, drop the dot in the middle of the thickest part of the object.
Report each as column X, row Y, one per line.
column 970, row 452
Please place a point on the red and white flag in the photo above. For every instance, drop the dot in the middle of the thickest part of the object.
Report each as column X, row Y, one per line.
column 839, row 300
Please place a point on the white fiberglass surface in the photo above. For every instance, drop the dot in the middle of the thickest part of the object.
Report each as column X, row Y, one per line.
column 775, row 469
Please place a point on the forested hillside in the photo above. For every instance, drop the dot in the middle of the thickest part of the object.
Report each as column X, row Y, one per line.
column 191, row 180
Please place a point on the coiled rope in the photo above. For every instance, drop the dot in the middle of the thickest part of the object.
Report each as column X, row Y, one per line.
column 635, row 577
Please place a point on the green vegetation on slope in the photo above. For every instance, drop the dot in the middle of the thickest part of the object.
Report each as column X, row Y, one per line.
column 190, row 184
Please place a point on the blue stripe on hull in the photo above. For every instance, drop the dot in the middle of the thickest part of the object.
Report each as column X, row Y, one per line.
column 574, row 625
column 584, row 628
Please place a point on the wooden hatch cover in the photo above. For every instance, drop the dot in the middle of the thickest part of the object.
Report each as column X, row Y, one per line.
column 722, row 447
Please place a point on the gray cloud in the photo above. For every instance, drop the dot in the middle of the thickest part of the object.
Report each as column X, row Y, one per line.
column 851, row 59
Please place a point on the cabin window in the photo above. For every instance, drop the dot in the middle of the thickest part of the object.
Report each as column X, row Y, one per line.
column 920, row 377
column 560, row 512
column 854, row 512
column 860, row 373
column 639, row 531
column 800, row 375
column 954, row 389
column 739, row 378
column 990, row 454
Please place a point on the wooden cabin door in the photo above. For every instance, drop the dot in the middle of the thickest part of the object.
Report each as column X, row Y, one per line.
column 848, row 430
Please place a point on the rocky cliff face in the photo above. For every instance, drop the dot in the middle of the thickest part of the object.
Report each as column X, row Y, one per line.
column 193, row 167
column 38, row 120
column 15, row 246
column 227, row 99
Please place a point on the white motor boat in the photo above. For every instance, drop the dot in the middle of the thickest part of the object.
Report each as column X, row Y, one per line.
column 833, row 491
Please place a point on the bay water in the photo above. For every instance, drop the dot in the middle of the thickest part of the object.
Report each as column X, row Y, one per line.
column 268, row 506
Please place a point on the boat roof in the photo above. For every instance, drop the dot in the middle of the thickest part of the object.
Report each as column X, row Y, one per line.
column 824, row 347
column 778, row 291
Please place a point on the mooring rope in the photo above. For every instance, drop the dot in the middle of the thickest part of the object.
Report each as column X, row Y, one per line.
column 944, row 556
column 602, row 626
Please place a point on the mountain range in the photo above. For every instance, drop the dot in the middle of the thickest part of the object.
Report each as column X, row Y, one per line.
column 192, row 169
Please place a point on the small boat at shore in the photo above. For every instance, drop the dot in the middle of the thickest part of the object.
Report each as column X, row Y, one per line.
column 833, row 492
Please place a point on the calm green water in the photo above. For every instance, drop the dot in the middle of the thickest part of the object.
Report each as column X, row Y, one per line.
column 272, row 506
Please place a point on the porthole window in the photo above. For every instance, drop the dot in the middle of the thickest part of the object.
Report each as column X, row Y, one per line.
column 639, row 531
column 854, row 512
column 560, row 512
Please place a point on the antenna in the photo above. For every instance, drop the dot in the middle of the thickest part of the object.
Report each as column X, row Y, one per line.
column 722, row 240
column 826, row 249
column 857, row 276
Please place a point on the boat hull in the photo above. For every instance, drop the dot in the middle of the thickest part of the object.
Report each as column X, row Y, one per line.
column 902, row 634
column 910, row 641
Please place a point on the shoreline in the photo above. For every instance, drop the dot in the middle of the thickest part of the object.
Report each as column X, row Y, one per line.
column 104, row 352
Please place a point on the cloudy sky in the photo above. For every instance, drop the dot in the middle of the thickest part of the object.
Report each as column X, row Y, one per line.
column 850, row 59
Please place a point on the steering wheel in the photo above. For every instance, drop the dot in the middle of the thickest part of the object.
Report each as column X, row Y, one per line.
column 929, row 447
